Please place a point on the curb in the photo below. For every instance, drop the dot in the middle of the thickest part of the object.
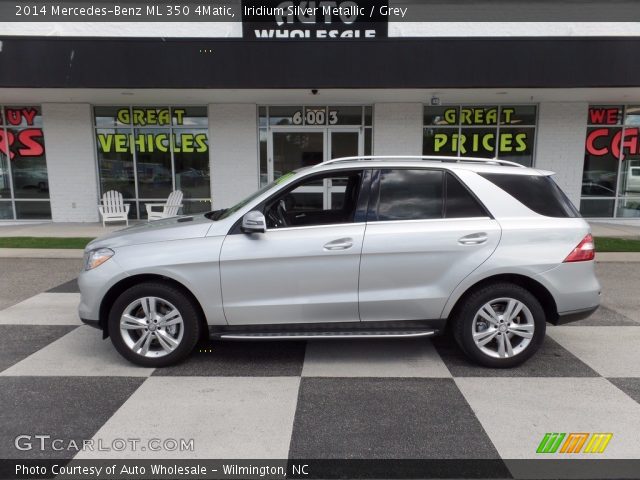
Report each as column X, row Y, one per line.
column 604, row 257
column 41, row 253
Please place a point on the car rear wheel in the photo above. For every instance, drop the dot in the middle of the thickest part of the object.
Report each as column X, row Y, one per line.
column 500, row 325
column 154, row 325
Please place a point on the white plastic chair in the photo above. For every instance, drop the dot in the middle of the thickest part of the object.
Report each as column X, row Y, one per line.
column 169, row 209
column 113, row 209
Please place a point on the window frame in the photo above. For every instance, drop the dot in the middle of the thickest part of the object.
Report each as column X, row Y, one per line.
column 13, row 198
column 374, row 203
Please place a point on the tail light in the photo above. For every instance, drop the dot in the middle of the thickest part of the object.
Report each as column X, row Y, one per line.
column 584, row 252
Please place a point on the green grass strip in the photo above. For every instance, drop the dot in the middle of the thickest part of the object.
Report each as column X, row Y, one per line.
column 44, row 242
column 608, row 244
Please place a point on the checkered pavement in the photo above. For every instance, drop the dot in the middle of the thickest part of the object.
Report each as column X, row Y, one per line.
column 378, row 399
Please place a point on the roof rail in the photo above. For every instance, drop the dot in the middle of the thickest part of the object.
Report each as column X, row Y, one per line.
column 373, row 158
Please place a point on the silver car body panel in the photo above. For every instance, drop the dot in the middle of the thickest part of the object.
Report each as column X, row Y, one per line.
column 409, row 268
column 292, row 275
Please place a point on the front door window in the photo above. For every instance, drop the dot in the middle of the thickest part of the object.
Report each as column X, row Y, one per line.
column 301, row 206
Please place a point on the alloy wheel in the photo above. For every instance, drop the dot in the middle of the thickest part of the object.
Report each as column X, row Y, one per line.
column 503, row 327
column 151, row 327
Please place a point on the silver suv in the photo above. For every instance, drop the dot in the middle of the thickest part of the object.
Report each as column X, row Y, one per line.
column 363, row 247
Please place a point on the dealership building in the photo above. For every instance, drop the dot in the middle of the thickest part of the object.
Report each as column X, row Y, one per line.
column 216, row 109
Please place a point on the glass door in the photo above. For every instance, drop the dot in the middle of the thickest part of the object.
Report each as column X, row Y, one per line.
column 293, row 148
column 341, row 143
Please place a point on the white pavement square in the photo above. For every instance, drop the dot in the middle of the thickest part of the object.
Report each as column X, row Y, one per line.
column 373, row 358
column 81, row 352
column 44, row 309
column 610, row 351
column 230, row 417
column 517, row 412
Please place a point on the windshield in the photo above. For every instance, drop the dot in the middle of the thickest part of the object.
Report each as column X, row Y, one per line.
column 222, row 214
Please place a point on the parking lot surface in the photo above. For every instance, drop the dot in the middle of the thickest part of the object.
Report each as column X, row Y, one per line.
column 397, row 399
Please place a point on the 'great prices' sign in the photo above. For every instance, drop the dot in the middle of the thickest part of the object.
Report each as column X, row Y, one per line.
column 482, row 130
column 17, row 140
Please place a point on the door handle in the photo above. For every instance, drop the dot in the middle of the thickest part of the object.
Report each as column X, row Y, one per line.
column 340, row 244
column 474, row 239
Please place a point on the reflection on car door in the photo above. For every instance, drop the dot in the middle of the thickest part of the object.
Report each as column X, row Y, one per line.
column 425, row 234
column 305, row 271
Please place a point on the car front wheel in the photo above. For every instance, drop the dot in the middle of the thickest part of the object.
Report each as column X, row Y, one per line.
column 154, row 325
column 500, row 325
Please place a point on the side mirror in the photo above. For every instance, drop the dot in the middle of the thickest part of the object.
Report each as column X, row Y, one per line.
column 254, row 222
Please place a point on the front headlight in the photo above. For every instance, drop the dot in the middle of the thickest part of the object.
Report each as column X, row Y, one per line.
column 97, row 257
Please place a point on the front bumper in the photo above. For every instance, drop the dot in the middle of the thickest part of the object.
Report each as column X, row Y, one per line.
column 94, row 285
column 91, row 323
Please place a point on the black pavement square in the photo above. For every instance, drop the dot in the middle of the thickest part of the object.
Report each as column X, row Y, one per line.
column 605, row 317
column 67, row 287
column 551, row 360
column 386, row 418
column 630, row 386
column 66, row 408
column 238, row 359
column 17, row 342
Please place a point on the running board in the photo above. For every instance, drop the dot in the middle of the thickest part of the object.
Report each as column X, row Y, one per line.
column 324, row 335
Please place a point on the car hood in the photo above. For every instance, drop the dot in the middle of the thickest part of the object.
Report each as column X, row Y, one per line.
column 175, row 228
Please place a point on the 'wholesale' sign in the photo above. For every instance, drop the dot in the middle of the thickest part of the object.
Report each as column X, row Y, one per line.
column 314, row 20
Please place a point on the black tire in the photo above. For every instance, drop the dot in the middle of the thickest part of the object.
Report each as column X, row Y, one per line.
column 190, row 323
column 470, row 306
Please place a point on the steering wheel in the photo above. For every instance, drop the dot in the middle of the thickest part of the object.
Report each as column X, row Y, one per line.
column 277, row 215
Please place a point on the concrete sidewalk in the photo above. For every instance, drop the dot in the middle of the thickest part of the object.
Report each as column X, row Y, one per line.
column 619, row 230
column 51, row 229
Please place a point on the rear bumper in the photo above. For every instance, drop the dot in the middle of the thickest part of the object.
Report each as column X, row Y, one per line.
column 575, row 315
column 574, row 287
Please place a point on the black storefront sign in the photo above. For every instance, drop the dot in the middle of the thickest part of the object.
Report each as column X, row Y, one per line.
column 319, row 20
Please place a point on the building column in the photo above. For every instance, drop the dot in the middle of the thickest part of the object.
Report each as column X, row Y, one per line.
column 71, row 161
column 233, row 152
column 397, row 128
column 562, row 131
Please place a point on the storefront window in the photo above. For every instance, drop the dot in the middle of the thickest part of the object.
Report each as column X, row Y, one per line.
column 488, row 131
column 147, row 152
column 24, row 181
column 611, row 174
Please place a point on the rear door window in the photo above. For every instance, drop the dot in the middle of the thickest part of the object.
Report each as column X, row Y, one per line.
column 538, row 193
column 406, row 194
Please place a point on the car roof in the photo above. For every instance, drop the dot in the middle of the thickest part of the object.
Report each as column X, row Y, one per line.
column 479, row 165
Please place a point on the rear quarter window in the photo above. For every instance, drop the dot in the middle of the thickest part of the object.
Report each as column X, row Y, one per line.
column 538, row 193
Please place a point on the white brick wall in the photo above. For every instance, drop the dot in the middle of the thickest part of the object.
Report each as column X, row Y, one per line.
column 562, row 129
column 71, row 164
column 233, row 152
column 397, row 129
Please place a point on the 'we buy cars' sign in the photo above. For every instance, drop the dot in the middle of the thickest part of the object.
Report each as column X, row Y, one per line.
column 18, row 134
column 314, row 20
